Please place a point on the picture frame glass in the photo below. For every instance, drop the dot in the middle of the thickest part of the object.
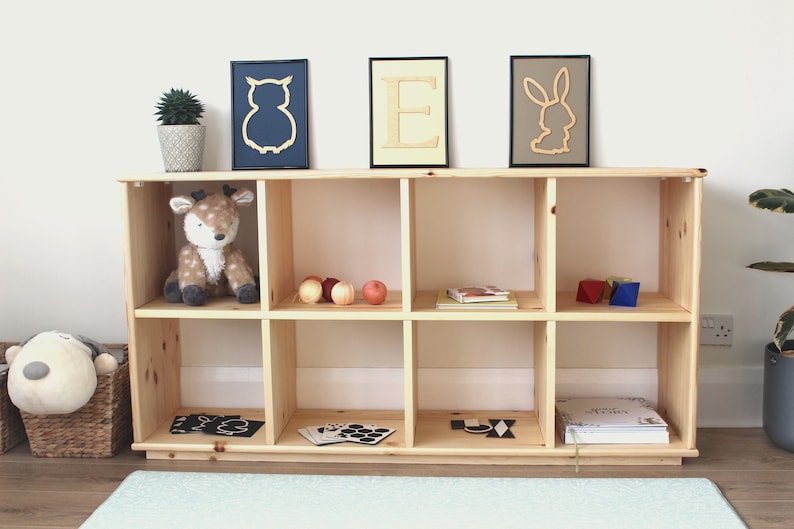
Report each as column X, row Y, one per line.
column 270, row 114
column 408, row 112
column 550, row 111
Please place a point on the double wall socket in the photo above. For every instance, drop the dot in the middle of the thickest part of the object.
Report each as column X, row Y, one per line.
column 716, row 329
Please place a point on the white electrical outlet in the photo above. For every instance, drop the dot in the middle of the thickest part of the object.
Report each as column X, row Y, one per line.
column 716, row 329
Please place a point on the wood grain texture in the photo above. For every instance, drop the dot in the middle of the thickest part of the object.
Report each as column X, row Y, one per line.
column 60, row 493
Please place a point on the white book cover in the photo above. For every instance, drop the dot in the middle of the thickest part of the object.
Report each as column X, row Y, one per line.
column 477, row 294
column 610, row 420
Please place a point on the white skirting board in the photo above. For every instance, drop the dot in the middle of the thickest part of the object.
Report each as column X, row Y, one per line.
column 730, row 396
column 382, row 388
column 727, row 396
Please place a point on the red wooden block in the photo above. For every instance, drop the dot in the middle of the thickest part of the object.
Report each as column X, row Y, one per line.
column 591, row 290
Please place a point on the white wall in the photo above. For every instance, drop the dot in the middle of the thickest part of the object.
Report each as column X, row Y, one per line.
column 677, row 83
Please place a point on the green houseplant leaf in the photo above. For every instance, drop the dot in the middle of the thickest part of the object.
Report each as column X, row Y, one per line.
column 777, row 201
column 179, row 107
column 784, row 327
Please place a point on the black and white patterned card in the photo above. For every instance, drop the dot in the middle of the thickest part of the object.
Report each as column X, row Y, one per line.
column 195, row 422
column 226, row 425
column 356, row 432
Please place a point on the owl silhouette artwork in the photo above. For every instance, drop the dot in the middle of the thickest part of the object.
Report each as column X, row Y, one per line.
column 269, row 126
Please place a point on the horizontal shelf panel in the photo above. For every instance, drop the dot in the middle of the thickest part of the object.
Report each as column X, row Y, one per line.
column 529, row 308
column 292, row 440
column 162, row 439
column 675, row 448
column 434, row 432
column 436, row 442
column 651, row 307
column 225, row 308
column 303, row 174
column 293, row 309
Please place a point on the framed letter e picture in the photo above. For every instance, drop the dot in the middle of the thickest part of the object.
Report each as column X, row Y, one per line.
column 270, row 114
column 550, row 110
column 408, row 112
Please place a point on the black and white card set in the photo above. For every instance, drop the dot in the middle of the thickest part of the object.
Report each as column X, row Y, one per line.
column 496, row 427
column 226, row 425
column 332, row 433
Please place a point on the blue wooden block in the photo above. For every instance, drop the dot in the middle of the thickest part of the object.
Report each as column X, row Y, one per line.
column 624, row 294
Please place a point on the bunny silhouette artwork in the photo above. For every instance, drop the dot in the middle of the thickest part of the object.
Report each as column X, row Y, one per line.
column 556, row 116
column 267, row 128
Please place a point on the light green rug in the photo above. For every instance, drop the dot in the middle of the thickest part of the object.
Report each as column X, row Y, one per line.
column 164, row 500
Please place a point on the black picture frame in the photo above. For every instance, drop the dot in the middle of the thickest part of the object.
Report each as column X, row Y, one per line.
column 270, row 114
column 409, row 115
column 549, row 110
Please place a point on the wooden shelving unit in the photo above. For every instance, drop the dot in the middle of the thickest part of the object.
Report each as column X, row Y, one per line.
column 423, row 435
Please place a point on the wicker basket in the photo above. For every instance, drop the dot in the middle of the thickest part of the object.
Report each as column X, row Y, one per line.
column 12, row 431
column 98, row 429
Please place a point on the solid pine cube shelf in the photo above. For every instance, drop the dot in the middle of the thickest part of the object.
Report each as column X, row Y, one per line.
column 549, row 310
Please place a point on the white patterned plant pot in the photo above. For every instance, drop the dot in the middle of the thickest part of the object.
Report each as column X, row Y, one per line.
column 182, row 147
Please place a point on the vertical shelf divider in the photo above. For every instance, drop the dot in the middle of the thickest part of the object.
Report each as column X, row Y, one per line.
column 545, row 362
column 276, row 269
column 411, row 378
column 546, row 242
column 546, row 287
column 679, row 279
column 408, row 285
column 408, row 242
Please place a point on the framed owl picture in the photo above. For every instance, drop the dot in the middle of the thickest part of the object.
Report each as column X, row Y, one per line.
column 550, row 110
column 270, row 126
column 408, row 112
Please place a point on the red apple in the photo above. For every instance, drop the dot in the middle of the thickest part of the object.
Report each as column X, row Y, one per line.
column 374, row 292
column 328, row 284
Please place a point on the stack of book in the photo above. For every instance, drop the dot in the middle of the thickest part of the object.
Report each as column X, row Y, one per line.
column 479, row 297
column 610, row 421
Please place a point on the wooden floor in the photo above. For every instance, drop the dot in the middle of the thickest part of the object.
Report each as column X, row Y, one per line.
column 756, row 477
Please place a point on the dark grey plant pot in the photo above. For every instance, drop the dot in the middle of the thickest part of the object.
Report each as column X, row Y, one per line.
column 779, row 396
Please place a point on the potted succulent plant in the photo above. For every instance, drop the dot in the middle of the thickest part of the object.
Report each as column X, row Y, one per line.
column 778, row 413
column 180, row 133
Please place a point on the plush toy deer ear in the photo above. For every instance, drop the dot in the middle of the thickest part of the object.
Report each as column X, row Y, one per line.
column 243, row 197
column 181, row 204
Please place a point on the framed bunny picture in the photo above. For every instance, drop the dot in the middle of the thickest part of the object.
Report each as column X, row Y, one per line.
column 550, row 111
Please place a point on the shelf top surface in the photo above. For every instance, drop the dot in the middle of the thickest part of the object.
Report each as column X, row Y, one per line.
column 418, row 173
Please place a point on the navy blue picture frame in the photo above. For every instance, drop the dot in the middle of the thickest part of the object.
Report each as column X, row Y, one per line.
column 270, row 114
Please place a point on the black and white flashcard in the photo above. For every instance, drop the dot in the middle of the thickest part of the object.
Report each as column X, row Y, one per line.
column 226, row 425
column 357, row 432
column 235, row 427
column 196, row 423
column 501, row 428
column 496, row 427
column 315, row 435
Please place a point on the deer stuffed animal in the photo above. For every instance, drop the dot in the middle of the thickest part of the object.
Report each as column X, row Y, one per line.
column 209, row 264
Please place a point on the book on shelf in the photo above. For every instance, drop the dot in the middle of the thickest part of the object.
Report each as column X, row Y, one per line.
column 604, row 420
column 478, row 294
column 443, row 301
